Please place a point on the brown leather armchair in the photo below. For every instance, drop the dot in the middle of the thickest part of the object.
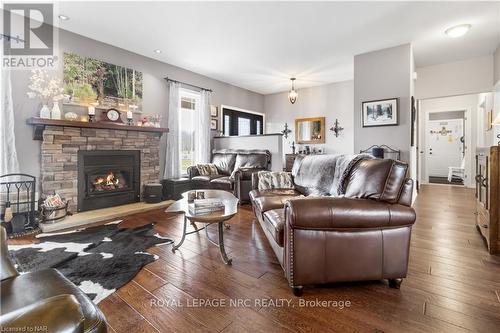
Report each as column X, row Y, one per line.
column 364, row 235
column 43, row 301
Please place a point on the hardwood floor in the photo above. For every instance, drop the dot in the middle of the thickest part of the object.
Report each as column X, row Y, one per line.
column 453, row 284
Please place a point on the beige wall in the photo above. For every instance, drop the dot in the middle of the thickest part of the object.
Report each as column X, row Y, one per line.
column 455, row 78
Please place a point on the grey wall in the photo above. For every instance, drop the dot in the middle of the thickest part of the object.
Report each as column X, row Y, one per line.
column 330, row 101
column 380, row 75
column 155, row 95
column 496, row 65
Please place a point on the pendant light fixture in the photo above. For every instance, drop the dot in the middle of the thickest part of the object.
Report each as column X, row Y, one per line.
column 292, row 94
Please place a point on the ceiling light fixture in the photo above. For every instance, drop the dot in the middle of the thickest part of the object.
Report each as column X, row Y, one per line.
column 63, row 17
column 458, row 30
column 157, row 51
column 292, row 94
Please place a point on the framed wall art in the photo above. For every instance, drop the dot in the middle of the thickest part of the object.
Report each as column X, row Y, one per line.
column 214, row 124
column 380, row 113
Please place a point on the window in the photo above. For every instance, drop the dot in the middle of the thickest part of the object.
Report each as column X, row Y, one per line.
column 188, row 104
column 242, row 123
column 227, row 120
column 243, row 126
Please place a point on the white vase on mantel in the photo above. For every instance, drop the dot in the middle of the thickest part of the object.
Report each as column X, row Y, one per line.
column 56, row 112
column 45, row 112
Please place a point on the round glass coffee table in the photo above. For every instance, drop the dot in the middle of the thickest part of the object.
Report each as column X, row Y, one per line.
column 230, row 209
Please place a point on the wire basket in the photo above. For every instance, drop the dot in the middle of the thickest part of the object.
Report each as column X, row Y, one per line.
column 54, row 214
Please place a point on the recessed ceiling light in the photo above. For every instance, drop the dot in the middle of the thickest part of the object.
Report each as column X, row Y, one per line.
column 458, row 30
column 63, row 17
column 157, row 51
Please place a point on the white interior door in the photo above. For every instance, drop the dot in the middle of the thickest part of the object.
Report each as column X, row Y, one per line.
column 444, row 146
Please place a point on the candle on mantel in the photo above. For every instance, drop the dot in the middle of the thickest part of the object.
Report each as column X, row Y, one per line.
column 91, row 111
column 129, row 115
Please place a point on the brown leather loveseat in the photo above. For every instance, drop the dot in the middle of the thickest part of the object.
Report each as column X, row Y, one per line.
column 363, row 234
column 234, row 171
column 43, row 301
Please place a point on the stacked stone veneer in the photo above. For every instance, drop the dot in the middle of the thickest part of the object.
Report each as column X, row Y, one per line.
column 60, row 148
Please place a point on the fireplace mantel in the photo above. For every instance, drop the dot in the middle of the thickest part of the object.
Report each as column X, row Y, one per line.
column 39, row 126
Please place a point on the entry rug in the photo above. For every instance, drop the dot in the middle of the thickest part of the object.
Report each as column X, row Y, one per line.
column 99, row 260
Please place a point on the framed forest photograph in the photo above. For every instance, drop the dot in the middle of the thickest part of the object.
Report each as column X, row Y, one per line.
column 90, row 81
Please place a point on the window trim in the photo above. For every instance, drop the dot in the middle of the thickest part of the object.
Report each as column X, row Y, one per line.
column 221, row 116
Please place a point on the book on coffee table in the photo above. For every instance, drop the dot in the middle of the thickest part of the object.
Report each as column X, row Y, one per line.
column 205, row 206
column 204, row 210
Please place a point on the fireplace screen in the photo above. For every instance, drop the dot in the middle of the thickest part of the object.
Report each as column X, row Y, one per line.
column 109, row 181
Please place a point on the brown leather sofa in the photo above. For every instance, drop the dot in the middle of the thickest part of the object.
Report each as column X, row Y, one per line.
column 363, row 235
column 43, row 301
column 235, row 169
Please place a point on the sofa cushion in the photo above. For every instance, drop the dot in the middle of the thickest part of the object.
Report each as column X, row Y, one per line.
column 275, row 202
column 222, row 183
column 324, row 175
column 379, row 179
column 271, row 179
column 395, row 182
column 250, row 161
column 224, row 162
column 207, row 169
column 274, row 221
column 254, row 194
column 206, row 179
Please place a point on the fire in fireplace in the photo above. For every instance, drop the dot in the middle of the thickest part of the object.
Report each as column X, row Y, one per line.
column 109, row 182
column 108, row 178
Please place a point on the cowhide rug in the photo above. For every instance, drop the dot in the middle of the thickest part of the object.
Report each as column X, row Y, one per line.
column 98, row 260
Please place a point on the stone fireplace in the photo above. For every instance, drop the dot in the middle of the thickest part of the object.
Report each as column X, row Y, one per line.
column 63, row 147
column 108, row 178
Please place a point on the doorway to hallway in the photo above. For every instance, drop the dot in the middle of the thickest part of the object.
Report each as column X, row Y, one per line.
column 445, row 147
column 449, row 131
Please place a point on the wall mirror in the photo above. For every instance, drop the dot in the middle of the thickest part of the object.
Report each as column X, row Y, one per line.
column 310, row 130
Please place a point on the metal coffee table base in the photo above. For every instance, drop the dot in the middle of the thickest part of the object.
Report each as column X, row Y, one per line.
column 220, row 243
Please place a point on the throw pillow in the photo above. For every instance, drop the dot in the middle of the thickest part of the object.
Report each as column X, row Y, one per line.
column 269, row 180
column 207, row 169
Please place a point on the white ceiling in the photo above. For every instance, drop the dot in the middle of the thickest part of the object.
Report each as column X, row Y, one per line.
column 259, row 46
